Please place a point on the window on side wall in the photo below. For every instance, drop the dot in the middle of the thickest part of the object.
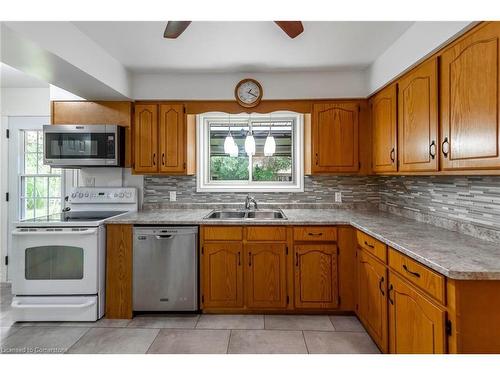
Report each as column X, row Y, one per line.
column 268, row 169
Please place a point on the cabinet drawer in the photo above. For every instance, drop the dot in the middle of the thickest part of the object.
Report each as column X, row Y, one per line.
column 428, row 280
column 315, row 233
column 372, row 246
column 266, row 233
column 223, row 233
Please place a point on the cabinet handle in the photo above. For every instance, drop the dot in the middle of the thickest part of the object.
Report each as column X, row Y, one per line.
column 393, row 155
column 445, row 147
column 432, row 149
column 369, row 245
column 416, row 274
column 239, row 258
column 250, row 259
column 380, row 285
column 163, row 159
column 316, row 158
column 296, row 259
column 154, row 158
column 315, row 234
column 389, row 295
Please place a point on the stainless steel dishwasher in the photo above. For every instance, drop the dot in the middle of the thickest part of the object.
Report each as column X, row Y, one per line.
column 165, row 269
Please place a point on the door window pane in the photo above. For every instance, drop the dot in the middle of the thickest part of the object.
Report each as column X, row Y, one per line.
column 54, row 263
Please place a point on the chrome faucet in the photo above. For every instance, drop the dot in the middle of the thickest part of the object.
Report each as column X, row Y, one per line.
column 249, row 200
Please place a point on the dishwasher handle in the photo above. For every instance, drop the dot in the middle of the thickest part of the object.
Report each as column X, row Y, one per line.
column 164, row 236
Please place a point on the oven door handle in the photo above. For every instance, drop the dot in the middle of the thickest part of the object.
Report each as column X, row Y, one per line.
column 19, row 232
column 19, row 305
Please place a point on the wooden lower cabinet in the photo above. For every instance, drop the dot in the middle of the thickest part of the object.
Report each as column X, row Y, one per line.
column 222, row 265
column 119, row 271
column 316, row 276
column 372, row 298
column 416, row 324
column 265, row 275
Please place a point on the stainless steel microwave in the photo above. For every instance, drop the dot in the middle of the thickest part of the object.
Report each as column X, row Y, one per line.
column 79, row 146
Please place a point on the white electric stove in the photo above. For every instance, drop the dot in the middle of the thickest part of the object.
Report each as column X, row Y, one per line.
column 58, row 261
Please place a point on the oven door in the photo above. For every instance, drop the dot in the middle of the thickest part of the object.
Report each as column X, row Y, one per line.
column 55, row 261
column 81, row 145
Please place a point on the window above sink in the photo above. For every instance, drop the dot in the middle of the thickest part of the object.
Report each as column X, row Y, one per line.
column 235, row 168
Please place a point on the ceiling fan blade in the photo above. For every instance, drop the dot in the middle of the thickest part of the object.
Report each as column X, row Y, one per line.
column 291, row 28
column 175, row 28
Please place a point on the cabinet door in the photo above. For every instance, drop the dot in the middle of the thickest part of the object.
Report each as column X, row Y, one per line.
column 316, row 276
column 470, row 132
column 418, row 119
column 146, row 138
column 416, row 325
column 222, row 269
column 172, row 136
column 265, row 278
column 372, row 298
column 335, row 137
column 384, row 123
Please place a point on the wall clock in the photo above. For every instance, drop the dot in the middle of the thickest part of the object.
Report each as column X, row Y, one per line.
column 248, row 92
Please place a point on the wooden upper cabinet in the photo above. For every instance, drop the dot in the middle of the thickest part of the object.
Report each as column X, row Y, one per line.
column 335, row 136
column 372, row 298
column 384, row 123
column 418, row 119
column 172, row 135
column 316, row 276
column 146, row 138
column 265, row 278
column 470, row 99
column 416, row 325
column 222, row 274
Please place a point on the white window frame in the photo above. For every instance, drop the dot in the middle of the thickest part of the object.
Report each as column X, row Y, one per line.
column 203, row 183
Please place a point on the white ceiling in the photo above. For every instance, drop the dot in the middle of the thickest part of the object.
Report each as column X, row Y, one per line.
column 13, row 78
column 244, row 46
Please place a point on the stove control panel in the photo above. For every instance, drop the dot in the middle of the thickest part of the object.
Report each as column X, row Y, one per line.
column 102, row 195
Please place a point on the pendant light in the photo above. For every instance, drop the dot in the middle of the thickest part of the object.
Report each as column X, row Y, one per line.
column 229, row 141
column 250, row 140
column 234, row 151
column 270, row 145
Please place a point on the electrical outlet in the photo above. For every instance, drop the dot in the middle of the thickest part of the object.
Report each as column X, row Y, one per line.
column 338, row 197
column 173, row 196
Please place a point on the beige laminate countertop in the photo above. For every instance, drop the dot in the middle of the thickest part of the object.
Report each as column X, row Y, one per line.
column 452, row 254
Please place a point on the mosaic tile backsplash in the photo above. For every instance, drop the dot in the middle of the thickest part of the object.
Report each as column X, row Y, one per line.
column 468, row 204
column 317, row 190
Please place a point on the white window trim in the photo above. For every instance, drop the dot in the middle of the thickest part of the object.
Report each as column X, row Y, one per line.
column 203, row 184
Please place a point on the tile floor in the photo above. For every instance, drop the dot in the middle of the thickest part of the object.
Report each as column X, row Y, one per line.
column 192, row 333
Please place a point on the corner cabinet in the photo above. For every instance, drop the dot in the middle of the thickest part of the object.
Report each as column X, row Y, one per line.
column 335, row 138
column 470, row 100
column 163, row 139
column 384, row 122
column 418, row 119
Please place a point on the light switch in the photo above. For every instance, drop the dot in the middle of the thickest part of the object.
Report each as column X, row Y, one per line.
column 173, row 196
column 338, row 197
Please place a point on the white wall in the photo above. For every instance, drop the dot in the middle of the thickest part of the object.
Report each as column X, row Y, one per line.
column 25, row 102
column 420, row 40
column 296, row 85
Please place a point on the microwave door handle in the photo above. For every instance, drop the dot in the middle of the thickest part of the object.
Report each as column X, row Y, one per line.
column 18, row 232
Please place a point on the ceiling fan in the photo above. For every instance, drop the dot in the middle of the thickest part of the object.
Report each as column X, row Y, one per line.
column 176, row 28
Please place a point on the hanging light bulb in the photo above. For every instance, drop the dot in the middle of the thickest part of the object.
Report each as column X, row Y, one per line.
column 270, row 145
column 250, row 143
column 234, row 152
column 229, row 141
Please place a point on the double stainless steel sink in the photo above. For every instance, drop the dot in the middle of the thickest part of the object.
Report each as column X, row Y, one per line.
column 246, row 215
